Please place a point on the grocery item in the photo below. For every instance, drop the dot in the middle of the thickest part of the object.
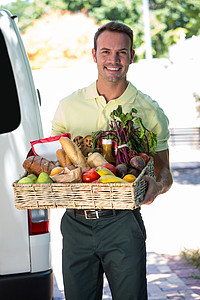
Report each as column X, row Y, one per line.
column 74, row 176
column 57, row 170
column 95, row 160
column 84, row 144
column 87, row 145
column 129, row 178
column 37, row 164
column 25, row 180
column 63, row 158
column 47, row 147
column 121, row 170
column 129, row 133
column 110, row 179
column 110, row 167
column 90, row 175
column 74, row 153
column 133, row 171
column 32, row 177
column 78, row 140
column 104, row 171
column 137, row 162
column 44, row 178
column 107, row 150
column 144, row 156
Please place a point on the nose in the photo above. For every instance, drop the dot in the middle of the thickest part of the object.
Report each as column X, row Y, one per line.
column 114, row 58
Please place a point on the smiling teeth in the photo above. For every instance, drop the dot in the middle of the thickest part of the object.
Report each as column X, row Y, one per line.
column 113, row 69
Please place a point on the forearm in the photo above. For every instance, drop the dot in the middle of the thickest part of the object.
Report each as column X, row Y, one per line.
column 164, row 179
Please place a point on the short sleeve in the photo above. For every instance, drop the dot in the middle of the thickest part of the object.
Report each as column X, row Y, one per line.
column 159, row 125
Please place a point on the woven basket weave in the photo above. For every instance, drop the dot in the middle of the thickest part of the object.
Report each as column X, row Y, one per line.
column 83, row 195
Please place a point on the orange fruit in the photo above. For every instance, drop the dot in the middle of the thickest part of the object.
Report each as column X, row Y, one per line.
column 129, row 178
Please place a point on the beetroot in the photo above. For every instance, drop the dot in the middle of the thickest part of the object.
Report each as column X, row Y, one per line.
column 133, row 171
column 121, row 170
column 137, row 162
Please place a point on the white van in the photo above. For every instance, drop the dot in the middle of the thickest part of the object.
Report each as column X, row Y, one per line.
column 25, row 264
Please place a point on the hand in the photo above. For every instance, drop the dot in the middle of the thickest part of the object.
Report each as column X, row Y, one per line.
column 153, row 190
column 163, row 176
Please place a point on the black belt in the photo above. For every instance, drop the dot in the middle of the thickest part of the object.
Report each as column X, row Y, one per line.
column 94, row 213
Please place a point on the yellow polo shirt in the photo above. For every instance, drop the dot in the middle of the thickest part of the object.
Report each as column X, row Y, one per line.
column 85, row 111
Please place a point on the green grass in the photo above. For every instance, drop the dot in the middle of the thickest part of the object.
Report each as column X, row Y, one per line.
column 192, row 256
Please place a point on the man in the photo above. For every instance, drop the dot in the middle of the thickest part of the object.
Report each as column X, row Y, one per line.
column 110, row 241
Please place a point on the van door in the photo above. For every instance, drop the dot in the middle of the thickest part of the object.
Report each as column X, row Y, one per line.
column 19, row 124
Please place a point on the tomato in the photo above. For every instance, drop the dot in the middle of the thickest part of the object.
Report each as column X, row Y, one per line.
column 90, row 175
column 110, row 167
column 87, row 170
column 144, row 156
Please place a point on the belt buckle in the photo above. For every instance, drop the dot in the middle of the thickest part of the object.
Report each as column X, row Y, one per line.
column 91, row 218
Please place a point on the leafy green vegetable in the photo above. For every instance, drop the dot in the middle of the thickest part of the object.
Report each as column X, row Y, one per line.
column 130, row 134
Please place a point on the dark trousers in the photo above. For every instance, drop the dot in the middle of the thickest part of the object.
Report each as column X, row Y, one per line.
column 114, row 245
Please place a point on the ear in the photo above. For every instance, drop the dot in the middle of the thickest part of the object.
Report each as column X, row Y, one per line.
column 94, row 55
column 132, row 56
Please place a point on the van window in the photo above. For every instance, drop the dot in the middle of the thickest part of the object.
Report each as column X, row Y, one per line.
column 9, row 103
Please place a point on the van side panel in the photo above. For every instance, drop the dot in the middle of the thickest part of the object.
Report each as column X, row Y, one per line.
column 40, row 252
column 14, row 236
column 14, row 244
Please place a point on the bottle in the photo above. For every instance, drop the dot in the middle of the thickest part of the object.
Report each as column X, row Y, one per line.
column 107, row 151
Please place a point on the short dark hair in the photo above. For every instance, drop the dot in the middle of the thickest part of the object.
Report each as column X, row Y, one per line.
column 115, row 27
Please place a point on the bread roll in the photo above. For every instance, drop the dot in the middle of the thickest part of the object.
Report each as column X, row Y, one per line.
column 74, row 153
column 72, row 176
column 63, row 158
column 57, row 170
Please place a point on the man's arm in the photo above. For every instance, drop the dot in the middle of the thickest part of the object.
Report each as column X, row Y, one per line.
column 163, row 177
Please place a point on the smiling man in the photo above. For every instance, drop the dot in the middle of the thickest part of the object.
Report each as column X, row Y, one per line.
column 110, row 241
column 112, row 62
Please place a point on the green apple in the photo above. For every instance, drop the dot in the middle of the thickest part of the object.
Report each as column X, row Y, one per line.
column 44, row 178
column 33, row 177
column 25, row 180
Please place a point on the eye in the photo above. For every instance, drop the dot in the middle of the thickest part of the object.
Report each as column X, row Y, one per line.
column 105, row 51
column 123, row 52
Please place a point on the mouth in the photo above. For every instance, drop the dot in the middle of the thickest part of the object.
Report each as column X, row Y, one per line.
column 113, row 69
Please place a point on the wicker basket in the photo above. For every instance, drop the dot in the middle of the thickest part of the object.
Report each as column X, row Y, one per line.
column 83, row 195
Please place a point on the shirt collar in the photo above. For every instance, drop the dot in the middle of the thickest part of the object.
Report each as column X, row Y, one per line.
column 128, row 96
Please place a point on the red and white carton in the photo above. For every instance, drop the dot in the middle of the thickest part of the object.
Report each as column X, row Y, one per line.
column 47, row 147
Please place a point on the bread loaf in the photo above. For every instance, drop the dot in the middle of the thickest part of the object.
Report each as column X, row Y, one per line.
column 74, row 153
column 96, row 160
column 37, row 164
column 63, row 158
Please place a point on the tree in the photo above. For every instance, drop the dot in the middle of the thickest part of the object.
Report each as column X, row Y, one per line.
column 169, row 18
column 28, row 11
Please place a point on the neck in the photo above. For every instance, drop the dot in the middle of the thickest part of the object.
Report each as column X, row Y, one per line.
column 111, row 90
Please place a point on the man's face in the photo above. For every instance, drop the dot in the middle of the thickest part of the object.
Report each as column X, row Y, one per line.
column 113, row 56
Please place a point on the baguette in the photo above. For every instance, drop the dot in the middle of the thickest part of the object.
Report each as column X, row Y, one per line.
column 63, row 158
column 37, row 164
column 74, row 153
